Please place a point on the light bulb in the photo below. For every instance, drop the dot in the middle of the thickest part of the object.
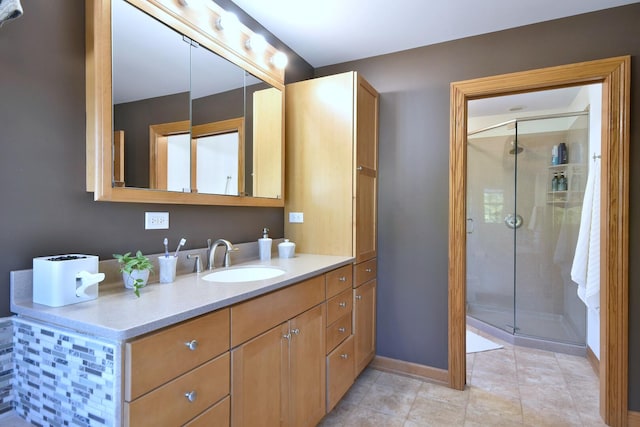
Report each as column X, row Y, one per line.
column 279, row 60
column 227, row 21
column 256, row 43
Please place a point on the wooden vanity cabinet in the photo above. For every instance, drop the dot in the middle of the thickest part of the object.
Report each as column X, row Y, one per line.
column 332, row 165
column 364, row 324
column 173, row 375
column 279, row 377
column 364, row 313
column 331, row 176
column 339, row 348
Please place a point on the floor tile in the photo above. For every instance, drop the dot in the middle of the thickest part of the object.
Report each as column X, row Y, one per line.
column 512, row 386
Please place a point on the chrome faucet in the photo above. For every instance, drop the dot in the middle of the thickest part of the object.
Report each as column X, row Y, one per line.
column 212, row 252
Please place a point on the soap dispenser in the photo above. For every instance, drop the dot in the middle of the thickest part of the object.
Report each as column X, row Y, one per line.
column 264, row 245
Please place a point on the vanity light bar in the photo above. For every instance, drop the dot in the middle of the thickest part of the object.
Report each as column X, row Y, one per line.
column 241, row 39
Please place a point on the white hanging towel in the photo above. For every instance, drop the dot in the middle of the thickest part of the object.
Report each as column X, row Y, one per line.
column 586, row 262
column 9, row 9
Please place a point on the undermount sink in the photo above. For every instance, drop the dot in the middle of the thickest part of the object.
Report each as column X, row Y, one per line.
column 248, row 273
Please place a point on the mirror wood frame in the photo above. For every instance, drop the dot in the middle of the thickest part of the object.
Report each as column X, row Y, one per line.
column 196, row 23
column 614, row 74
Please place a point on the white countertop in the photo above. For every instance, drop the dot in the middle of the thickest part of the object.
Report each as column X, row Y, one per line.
column 117, row 314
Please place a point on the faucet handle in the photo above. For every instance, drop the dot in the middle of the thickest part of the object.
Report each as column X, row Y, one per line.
column 197, row 265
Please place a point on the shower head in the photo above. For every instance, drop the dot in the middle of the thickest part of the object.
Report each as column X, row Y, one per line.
column 515, row 150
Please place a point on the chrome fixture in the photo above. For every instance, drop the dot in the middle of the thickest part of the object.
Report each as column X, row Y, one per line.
column 513, row 221
column 212, row 251
column 197, row 266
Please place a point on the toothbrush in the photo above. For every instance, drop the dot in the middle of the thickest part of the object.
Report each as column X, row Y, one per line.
column 181, row 244
column 166, row 247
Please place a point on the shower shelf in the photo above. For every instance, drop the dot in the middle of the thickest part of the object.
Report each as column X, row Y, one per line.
column 566, row 198
column 576, row 178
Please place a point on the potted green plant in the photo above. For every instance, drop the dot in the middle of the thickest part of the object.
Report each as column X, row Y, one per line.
column 135, row 270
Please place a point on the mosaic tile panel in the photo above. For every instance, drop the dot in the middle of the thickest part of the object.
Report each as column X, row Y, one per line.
column 6, row 365
column 62, row 378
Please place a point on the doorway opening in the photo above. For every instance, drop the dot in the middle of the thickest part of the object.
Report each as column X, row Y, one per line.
column 614, row 74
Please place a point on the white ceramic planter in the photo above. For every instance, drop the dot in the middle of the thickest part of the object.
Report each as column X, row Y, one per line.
column 129, row 279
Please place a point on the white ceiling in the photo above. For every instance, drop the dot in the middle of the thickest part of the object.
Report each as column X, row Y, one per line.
column 333, row 31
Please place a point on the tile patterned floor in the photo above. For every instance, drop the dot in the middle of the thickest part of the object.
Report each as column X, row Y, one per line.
column 512, row 386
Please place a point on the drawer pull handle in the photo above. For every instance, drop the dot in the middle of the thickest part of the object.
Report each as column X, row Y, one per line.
column 192, row 345
column 342, row 304
column 368, row 270
column 295, row 331
column 344, row 356
column 358, row 296
column 341, row 330
column 191, row 396
column 342, row 279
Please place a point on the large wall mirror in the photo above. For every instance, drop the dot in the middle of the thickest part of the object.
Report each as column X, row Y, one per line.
column 179, row 109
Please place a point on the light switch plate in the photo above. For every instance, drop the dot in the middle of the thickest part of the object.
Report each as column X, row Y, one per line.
column 156, row 220
column 296, row 217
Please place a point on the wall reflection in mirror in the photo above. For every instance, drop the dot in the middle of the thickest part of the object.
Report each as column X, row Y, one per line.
column 186, row 119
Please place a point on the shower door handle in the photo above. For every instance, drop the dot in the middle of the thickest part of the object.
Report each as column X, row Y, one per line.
column 470, row 225
column 513, row 221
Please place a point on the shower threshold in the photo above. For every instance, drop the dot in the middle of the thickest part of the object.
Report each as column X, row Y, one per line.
column 527, row 341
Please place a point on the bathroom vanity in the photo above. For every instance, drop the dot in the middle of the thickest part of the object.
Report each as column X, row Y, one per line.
column 192, row 352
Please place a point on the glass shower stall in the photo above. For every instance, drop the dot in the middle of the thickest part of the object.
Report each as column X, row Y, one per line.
column 525, row 185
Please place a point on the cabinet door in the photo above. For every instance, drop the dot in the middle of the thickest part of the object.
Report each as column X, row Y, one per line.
column 259, row 380
column 364, row 330
column 367, row 170
column 307, row 368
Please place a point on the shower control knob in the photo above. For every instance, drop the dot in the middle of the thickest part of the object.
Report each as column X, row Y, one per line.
column 513, row 221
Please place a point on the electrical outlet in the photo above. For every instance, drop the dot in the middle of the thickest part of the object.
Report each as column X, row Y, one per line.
column 296, row 217
column 156, row 220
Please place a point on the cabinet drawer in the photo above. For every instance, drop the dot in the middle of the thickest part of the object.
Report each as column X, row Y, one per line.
column 365, row 271
column 340, row 372
column 157, row 358
column 169, row 405
column 338, row 331
column 339, row 280
column 216, row 416
column 339, row 305
column 253, row 317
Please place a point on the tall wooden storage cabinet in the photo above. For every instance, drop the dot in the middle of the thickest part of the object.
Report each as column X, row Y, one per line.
column 331, row 178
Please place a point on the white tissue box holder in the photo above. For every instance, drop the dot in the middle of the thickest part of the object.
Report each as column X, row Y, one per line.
column 65, row 279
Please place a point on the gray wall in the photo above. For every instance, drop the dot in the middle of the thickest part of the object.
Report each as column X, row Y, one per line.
column 413, row 171
column 44, row 207
column 46, row 211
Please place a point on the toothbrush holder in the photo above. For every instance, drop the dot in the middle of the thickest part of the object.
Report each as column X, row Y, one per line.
column 167, row 268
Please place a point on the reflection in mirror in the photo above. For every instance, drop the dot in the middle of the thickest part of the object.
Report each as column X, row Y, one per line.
column 218, row 153
column 218, row 110
column 139, row 84
column 267, row 143
column 150, row 85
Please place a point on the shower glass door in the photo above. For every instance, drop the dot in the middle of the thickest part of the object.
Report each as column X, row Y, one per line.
column 522, row 229
column 490, row 242
column 546, row 301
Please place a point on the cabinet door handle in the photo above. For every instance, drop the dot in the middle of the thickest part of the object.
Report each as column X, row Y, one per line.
column 192, row 345
column 341, row 330
column 344, row 356
column 342, row 279
column 368, row 270
column 359, row 168
column 287, row 336
column 295, row 331
column 358, row 296
column 191, row 396
column 342, row 304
